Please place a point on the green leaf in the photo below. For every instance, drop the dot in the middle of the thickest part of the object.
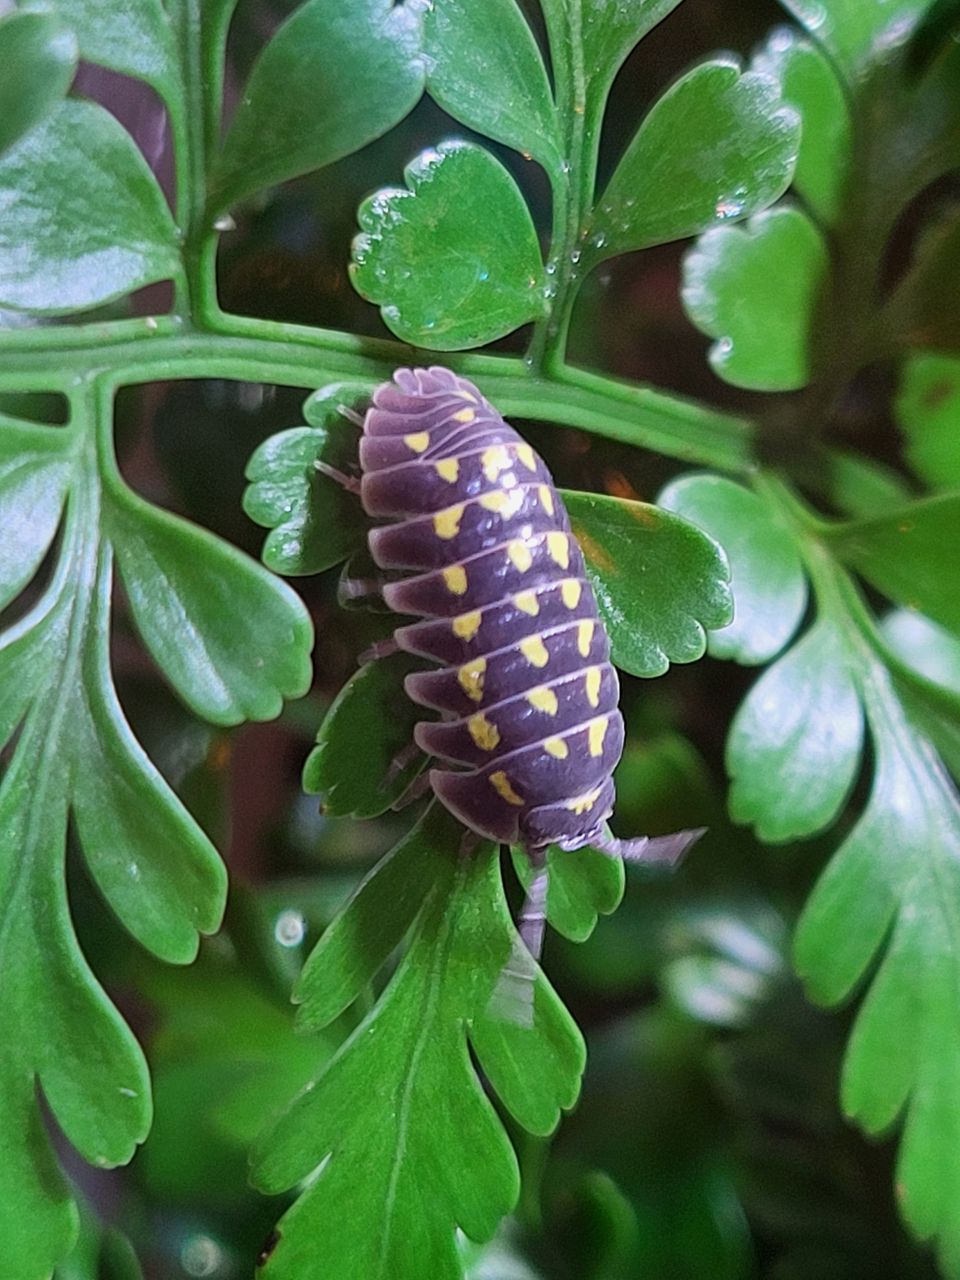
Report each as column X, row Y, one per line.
column 719, row 145
column 659, row 582
column 856, row 33
column 581, row 886
column 769, row 585
column 893, row 887
column 924, row 646
column 909, row 555
column 923, row 310
column 39, row 56
column 113, row 235
column 314, row 523
column 608, row 33
column 928, row 409
column 485, row 69
column 232, row 640
column 331, row 80
column 463, row 213
column 163, row 879
column 756, row 289
column 861, row 486
column 400, row 1107
column 35, row 466
column 809, row 83
column 135, row 38
column 794, row 747
column 371, row 720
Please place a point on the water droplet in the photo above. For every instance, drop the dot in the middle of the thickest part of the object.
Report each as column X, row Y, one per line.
column 134, row 871
column 728, row 207
column 551, row 268
column 598, row 240
column 575, row 256
column 201, row 1256
column 290, row 928
column 483, row 275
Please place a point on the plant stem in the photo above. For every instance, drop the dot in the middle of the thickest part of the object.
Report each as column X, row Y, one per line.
column 133, row 352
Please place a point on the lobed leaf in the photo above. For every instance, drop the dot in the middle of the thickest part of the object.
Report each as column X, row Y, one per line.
column 331, row 79
column 893, row 887
column 400, row 1108
column 38, row 54
column 231, row 639
column 581, row 886
column 858, row 34
column 756, row 289
column 924, row 646
column 928, row 409
column 486, row 274
column 908, row 554
column 485, row 69
column 35, row 468
column 766, row 575
column 794, row 746
column 371, row 719
column 135, row 38
column 113, row 235
column 809, row 84
column 660, row 583
column 719, row 145
column 314, row 523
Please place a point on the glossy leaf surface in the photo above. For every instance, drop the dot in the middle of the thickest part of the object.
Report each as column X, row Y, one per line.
column 810, row 85
column 856, row 33
column 231, row 639
column 909, row 555
column 39, row 56
column 463, row 213
column 113, row 235
column 485, row 69
column 659, row 582
column 891, row 893
column 719, row 145
column 794, row 747
column 35, row 466
column 755, row 288
column 400, row 1103
column 314, row 523
column 767, row 579
column 135, row 37
column 929, row 649
column 928, row 409
column 332, row 79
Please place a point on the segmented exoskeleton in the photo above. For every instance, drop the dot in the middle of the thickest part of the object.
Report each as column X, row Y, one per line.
column 478, row 546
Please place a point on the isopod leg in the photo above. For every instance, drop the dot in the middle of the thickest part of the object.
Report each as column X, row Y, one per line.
column 350, row 483
column 513, row 996
column 656, row 849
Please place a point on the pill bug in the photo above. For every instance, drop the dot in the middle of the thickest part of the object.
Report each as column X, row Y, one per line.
column 473, row 540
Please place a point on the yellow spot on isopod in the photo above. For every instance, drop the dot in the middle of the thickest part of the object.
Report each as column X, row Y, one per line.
column 495, row 500
column 470, row 676
column 543, row 699
column 585, row 636
column 556, row 747
column 464, row 415
column 418, row 441
column 570, row 591
column 582, row 804
column 535, row 651
column 528, row 602
column 467, row 625
column 465, row 395
column 501, row 784
column 455, row 577
column 518, row 553
column 484, row 734
column 494, row 460
column 527, row 456
column 593, row 678
column 447, row 522
column 558, row 548
column 596, row 732
column 546, row 499
column 448, row 469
